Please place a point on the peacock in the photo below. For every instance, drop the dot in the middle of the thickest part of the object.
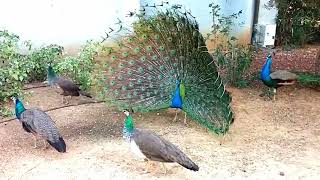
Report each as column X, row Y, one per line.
column 161, row 61
column 39, row 124
column 276, row 79
column 68, row 87
column 149, row 146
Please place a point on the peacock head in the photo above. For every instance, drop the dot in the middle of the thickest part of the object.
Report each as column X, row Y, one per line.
column 177, row 82
column 19, row 107
column 128, row 122
column 127, row 111
column 51, row 75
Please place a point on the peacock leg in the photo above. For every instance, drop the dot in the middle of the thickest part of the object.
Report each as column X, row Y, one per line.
column 221, row 139
column 147, row 165
column 175, row 117
column 274, row 93
column 185, row 119
column 45, row 144
column 164, row 167
column 35, row 142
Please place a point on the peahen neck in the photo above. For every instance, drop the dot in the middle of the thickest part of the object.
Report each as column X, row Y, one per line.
column 51, row 75
column 177, row 98
column 19, row 108
column 266, row 70
column 128, row 128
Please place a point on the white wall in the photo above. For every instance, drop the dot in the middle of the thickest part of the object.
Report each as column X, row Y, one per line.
column 200, row 10
column 72, row 22
column 64, row 22
column 266, row 16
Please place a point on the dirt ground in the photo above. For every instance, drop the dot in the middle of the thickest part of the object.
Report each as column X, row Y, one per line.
column 268, row 140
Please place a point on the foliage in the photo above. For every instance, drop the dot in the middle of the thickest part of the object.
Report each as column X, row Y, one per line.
column 20, row 63
column 233, row 59
column 79, row 68
column 309, row 80
column 298, row 21
column 5, row 112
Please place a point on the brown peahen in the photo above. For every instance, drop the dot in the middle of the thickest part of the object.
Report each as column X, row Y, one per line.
column 149, row 146
column 276, row 79
column 68, row 87
column 39, row 124
column 161, row 61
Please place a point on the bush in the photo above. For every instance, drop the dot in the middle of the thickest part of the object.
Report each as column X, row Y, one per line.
column 79, row 68
column 17, row 68
column 20, row 64
column 232, row 59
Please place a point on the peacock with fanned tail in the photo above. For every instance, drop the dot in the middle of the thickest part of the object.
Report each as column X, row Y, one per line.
column 164, row 63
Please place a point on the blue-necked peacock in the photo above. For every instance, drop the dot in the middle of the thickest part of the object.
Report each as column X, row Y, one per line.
column 149, row 146
column 164, row 63
column 39, row 124
column 68, row 87
column 276, row 79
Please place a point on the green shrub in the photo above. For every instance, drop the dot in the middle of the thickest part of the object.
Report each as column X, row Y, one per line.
column 20, row 64
column 308, row 79
column 80, row 67
column 233, row 59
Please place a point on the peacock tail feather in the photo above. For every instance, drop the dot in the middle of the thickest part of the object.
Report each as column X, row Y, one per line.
column 155, row 53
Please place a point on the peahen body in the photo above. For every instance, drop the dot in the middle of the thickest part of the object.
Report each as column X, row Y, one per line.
column 68, row 87
column 276, row 79
column 39, row 124
column 164, row 63
column 149, row 146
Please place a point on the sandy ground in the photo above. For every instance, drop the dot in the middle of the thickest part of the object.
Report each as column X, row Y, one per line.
column 268, row 140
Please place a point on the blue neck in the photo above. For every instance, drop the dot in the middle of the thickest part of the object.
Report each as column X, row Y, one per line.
column 177, row 100
column 266, row 69
column 19, row 108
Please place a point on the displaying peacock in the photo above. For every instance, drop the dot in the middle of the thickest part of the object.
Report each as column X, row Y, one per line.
column 276, row 79
column 164, row 63
column 68, row 87
column 149, row 146
column 39, row 124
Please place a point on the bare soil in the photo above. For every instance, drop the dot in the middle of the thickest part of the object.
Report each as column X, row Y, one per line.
column 268, row 140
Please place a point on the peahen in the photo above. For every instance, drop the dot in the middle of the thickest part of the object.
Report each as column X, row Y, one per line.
column 164, row 63
column 276, row 79
column 149, row 146
column 68, row 87
column 39, row 124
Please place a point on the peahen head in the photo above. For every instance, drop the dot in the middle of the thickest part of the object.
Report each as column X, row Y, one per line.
column 19, row 108
column 266, row 69
column 128, row 123
column 128, row 127
column 51, row 75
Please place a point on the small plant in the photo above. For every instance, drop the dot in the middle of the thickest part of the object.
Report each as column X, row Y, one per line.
column 232, row 59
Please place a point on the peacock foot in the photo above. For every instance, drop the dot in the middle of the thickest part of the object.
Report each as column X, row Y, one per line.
column 35, row 142
column 45, row 145
column 147, row 167
column 164, row 167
